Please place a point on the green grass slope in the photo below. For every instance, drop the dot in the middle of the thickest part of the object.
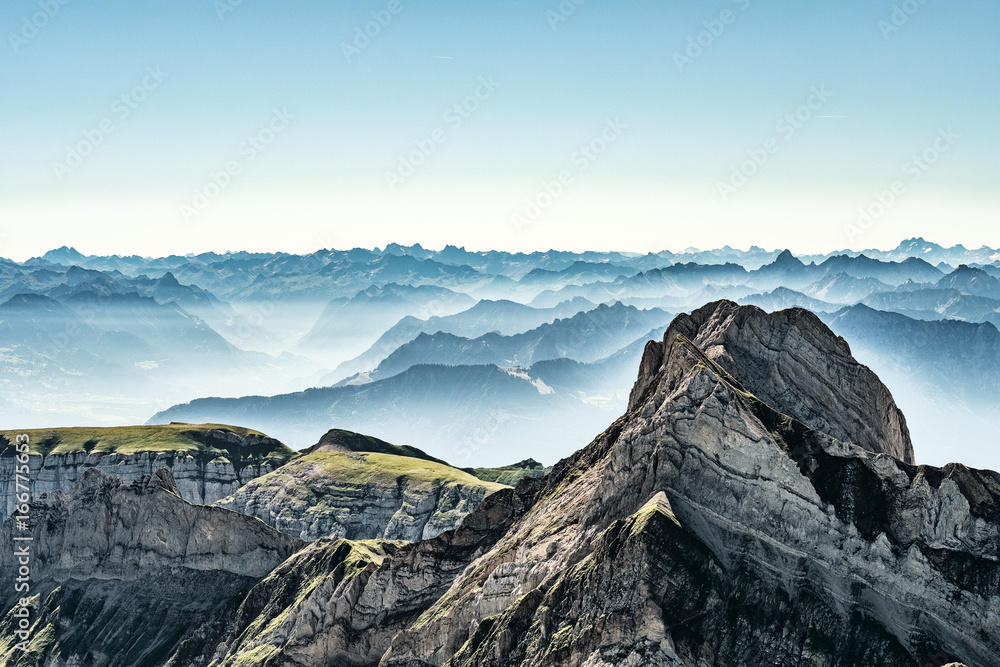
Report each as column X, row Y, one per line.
column 216, row 440
column 348, row 441
column 327, row 468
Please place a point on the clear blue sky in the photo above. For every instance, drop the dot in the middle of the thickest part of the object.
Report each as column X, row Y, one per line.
column 682, row 126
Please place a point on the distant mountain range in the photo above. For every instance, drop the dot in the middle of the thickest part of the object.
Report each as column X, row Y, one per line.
column 347, row 327
column 512, row 265
column 472, row 415
column 945, row 375
column 503, row 317
column 587, row 337
column 522, row 347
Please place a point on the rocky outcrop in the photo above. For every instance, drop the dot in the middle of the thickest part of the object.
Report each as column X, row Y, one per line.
column 791, row 361
column 511, row 474
column 360, row 488
column 343, row 602
column 704, row 527
column 207, row 462
column 121, row 573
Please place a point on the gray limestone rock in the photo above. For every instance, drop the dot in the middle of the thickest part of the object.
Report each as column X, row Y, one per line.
column 226, row 461
column 330, row 493
column 791, row 361
column 121, row 573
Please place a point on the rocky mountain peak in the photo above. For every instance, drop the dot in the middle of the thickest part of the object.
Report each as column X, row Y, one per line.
column 169, row 280
column 64, row 255
column 791, row 361
column 711, row 525
column 786, row 258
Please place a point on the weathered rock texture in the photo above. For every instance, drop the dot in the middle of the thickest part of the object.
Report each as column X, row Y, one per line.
column 745, row 511
column 342, row 603
column 208, row 462
column 790, row 361
column 121, row 573
column 357, row 487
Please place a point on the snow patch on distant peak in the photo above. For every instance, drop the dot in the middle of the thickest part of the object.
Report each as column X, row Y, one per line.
column 543, row 388
column 360, row 379
column 537, row 383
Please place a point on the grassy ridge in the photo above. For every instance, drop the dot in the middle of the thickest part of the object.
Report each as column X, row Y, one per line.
column 512, row 474
column 348, row 441
column 176, row 437
column 324, row 469
column 368, row 467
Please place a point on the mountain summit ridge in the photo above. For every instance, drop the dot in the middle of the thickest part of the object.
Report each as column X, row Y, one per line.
column 775, row 357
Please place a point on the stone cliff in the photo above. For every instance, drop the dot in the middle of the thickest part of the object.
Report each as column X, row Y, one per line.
column 208, row 462
column 119, row 573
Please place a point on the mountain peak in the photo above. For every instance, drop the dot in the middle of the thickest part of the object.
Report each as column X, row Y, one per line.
column 971, row 280
column 64, row 255
column 339, row 440
column 169, row 280
column 785, row 261
column 821, row 384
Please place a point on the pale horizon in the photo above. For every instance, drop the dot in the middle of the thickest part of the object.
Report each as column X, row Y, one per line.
column 640, row 126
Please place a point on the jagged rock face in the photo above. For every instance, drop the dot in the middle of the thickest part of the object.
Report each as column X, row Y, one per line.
column 106, row 528
column 791, row 361
column 200, row 478
column 342, row 602
column 361, row 496
column 124, row 572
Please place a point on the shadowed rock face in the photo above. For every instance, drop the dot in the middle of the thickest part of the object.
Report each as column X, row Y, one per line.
column 122, row 573
column 742, row 512
column 105, row 528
